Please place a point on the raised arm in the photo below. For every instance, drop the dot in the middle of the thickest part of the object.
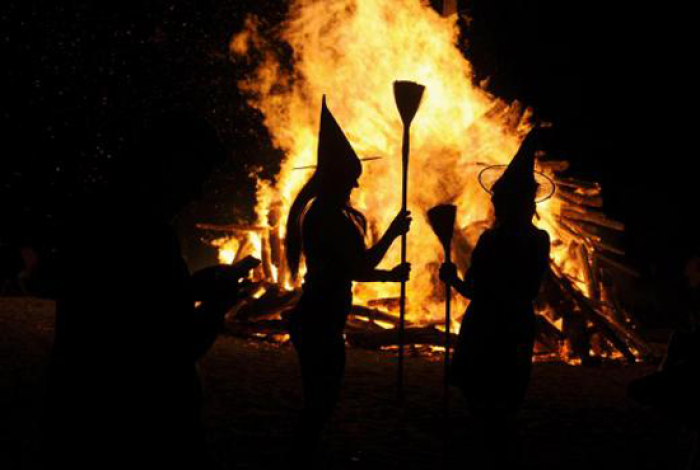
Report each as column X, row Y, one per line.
column 365, row 269
column 465, row 287
column 449, row 275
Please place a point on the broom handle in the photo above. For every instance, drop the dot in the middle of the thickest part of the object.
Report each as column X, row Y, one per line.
column 404, row 203
column 448, row 324
column 446, row 385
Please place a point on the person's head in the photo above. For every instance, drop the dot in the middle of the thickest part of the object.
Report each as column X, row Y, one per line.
column 513, row 195
column 514, row 208
column 339, row 167
column 336, row 188
column 337, row 173
column 172, row 159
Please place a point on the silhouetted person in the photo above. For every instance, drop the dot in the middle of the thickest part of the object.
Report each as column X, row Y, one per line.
column 331, row 234
column 493, row 356
column 674, row 388
column 124, row 390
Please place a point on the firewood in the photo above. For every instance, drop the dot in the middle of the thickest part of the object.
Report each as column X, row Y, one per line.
column 270, row 304
column 621, row 320
column 548, row 334
column 579, row 199
column 586, row 187
column 278, row 257
column 266, row 256
column 592, row 314
column 578, row 336
column 591, row 240
column 591, row 276
column 374, row 314
column 354, row 324
column 590, row 231
column 574, row 330
column 601, row 245
column 414, row 335
column 260, row 329
column 617, row 265
column 594, row 218
column 389, row 303
column 573, row 235
column 556, row 166
column 236, row 228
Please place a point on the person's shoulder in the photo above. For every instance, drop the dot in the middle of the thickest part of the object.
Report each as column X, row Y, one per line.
column 320, row 217
column 542, row 236
column 541, row 239
column 489, row 233
column 488, row 238
column 324, row 213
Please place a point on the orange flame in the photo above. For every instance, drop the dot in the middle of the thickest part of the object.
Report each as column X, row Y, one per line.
column 352, row 51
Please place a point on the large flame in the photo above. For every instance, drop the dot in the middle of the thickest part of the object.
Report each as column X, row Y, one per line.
column 352, row 51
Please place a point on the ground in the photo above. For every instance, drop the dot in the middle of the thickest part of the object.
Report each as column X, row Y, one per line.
column 575, row 417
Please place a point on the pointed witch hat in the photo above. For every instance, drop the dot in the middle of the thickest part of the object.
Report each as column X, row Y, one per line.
column 519, row 178
column 335, row 156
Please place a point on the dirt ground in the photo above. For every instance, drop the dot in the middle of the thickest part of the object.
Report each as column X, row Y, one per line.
column 574, row 418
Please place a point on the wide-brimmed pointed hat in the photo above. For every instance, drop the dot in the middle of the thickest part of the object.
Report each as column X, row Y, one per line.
column 335, row 156
column 519, row 178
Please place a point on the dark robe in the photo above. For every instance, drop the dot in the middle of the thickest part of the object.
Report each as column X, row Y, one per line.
column 493, row 357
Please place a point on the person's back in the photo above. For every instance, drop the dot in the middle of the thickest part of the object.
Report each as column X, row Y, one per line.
column 122, row 374
column 504, row 277
column 123, row 387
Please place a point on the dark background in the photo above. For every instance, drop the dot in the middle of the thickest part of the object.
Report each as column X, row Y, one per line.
column 617, row 82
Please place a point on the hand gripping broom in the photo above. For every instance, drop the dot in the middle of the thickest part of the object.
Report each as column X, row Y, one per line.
column 408, row 97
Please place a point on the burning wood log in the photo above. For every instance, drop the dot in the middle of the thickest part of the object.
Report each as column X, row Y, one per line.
column 592, row 217
column 578, row 335
column 590, row 240
column 376, row 315
column 591, row 276
column 415, row 335
column 555, row 166
column 574, row 328
column 584, row 229
column 588, row 188
column 606, row 247
column 268, row 305
column 389, row 303
column 580, row 200
column 548, row 334
column 565, row 228
column 235, row 228
column 592, row 314
column 617, row 265
column 272, row 330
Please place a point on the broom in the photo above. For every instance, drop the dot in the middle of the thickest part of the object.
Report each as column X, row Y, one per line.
column 442, row 221
column 408, row 97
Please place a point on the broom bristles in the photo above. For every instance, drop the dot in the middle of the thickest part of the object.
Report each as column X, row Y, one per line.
column 408, row 96
column 442, row 221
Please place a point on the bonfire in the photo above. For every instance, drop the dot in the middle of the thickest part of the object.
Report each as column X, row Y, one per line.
column 353, row 51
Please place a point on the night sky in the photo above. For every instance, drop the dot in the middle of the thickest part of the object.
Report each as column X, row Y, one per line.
column 616, row 81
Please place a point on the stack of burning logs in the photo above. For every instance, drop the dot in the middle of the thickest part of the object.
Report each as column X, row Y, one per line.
column 575, row 324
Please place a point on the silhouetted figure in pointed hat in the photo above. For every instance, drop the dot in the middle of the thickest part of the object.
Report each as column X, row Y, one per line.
column 493, row 356
column 331, row 235
column 124, row 390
